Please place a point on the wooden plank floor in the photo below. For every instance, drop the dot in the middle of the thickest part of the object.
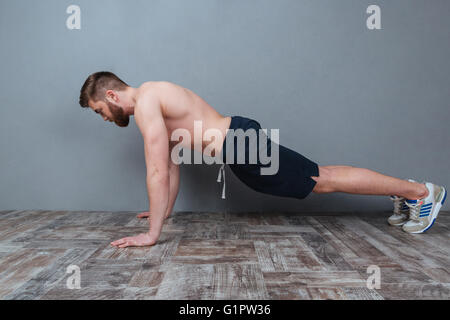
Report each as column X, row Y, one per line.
column 203, row 255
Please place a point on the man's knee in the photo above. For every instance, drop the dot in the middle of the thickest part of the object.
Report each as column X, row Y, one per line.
column 324, row 182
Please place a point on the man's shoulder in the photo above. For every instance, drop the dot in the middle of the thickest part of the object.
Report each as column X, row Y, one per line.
column 149, row 102
column 153, row 87
column 148, row 93
column 151, row 90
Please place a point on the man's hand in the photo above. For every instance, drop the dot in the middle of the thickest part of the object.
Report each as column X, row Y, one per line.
column 143, row 215
column 141, row 240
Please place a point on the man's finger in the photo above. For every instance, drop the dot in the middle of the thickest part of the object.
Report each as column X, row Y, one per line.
column 143, row 215
column 120, row 241
column 117, row 242
column 126, row 244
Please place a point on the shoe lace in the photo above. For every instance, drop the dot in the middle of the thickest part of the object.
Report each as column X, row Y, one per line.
column 398, row 202
column 219, row 179
column 414, row 210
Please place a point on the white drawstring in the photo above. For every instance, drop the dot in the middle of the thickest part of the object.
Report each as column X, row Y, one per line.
column 219, row 178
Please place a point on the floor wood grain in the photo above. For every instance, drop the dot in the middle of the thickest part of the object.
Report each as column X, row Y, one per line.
column 204, row 255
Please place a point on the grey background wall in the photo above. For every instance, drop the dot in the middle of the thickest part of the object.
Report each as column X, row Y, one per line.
column 340, row 94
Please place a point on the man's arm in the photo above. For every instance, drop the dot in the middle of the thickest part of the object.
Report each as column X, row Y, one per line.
column 174, row 174
column 151, row 123
column 174, row 182
column 156, row 158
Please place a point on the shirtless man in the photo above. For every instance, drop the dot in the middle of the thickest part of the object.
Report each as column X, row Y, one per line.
column 161, row 107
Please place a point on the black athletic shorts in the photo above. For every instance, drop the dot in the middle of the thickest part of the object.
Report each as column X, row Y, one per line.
column 293, row 178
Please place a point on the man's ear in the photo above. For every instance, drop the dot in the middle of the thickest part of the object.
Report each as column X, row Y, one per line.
column 111, row 95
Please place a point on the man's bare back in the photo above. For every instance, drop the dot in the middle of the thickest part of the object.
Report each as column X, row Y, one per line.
column 180, row 108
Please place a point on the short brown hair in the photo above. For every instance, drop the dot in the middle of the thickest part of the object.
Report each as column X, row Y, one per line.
column 96, row 84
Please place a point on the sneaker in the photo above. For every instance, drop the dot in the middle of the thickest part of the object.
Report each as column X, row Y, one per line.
column 423, row 212
column 401, row 210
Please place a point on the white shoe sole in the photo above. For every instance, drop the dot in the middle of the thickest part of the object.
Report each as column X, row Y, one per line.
column 397, row 224
column 435, row 211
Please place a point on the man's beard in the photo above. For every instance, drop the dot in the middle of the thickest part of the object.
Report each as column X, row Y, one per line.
column 119, row 117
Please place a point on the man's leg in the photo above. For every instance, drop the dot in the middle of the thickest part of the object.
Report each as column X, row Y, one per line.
column 354, row 180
